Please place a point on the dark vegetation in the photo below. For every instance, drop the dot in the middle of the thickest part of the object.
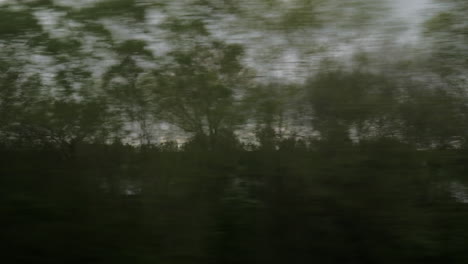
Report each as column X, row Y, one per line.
column 357, row 164
column 375, row 203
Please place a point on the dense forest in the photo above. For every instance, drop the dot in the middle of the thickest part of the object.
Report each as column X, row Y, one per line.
column 218, row 131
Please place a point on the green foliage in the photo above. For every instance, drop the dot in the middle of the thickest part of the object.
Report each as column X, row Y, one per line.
column 449, row 34
column 440, row 23
column 15, row 23
column 60, row 46
column 191, row 27
column 197, row 91
column 341, row 100
column 133, row 47
column 120, row 204
column 434, row 118
column 112, row 8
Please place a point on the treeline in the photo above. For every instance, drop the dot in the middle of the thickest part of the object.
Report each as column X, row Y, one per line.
column 75, row 82
column 205, row 98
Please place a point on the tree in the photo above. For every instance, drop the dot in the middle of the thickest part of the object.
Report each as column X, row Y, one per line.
column 200, row 90
column 447, row 31
column 131, row 100
column 63, row 126
column 342, row 101
column 273, row 109
column 433, row 118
